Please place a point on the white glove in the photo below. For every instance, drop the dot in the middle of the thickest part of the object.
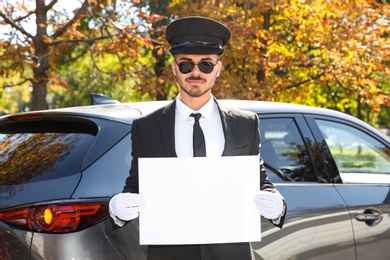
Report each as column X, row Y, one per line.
column 269, row 204
column 125, row 207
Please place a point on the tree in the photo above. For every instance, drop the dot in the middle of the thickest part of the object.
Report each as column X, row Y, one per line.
column 343, row 55
column 97, row 27
column 325, row 53
column 159, row 51
column 83, row 79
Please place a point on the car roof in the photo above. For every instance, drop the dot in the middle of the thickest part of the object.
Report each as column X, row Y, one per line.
column 132, row 109
column 126, row 112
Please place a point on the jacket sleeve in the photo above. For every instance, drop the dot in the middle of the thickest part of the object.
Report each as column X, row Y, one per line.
column 265, row 183
column 131, row 184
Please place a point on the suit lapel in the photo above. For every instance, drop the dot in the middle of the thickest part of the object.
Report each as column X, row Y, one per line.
column 167, row 129
column 229, row 129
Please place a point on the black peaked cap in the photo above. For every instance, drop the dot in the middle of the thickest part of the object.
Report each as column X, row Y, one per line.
column 197, row 35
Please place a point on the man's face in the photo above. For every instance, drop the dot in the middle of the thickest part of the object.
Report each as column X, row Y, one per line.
column 196, row 83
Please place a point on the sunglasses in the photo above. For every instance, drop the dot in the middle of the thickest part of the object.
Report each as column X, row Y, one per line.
column 188, row 66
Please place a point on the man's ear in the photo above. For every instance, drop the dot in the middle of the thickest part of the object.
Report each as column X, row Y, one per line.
column 220, row 66
column 173, row 68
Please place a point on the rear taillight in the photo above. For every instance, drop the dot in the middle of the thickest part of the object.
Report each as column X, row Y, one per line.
column 56, row 217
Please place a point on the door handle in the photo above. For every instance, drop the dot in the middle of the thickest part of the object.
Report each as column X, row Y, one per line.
column 368, row 217
column 371, row 217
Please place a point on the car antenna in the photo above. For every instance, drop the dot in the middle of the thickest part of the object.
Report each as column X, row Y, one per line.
column 100, row 99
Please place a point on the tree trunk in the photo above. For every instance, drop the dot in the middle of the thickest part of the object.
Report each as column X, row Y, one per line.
column 41, row 61
column 263, row 50
column 158, row 68
column 39, row 96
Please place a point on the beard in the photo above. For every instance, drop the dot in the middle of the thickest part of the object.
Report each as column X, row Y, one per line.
column 193, row 91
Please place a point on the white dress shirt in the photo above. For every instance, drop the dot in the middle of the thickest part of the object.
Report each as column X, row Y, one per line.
column 210, row 122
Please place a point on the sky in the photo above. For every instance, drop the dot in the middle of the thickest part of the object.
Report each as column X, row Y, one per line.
column 67, row 6
column 30, row 26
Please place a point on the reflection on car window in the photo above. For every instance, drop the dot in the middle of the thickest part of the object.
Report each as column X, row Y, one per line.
column 27, row 157
column 359, row 157
column 283, row 150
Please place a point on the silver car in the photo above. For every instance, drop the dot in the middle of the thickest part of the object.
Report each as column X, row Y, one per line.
column 60, row 167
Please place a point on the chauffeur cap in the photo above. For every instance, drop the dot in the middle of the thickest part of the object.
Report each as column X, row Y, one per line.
column 197, row 35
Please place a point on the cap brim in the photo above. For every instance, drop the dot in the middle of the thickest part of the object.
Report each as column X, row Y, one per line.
column 195, row 49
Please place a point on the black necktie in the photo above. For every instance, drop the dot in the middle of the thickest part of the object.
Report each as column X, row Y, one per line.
column 198, row 138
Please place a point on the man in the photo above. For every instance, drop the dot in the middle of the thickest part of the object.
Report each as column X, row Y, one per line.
column 172, row 131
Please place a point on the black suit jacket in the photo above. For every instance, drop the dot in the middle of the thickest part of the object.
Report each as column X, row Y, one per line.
column 153, row 136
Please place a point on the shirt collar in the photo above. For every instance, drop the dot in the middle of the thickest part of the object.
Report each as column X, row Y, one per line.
column 184, row 111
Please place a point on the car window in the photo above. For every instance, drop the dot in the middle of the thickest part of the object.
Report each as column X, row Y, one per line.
column 359, row 157
column 31, row 152
column 27, row 157
column 283, row 149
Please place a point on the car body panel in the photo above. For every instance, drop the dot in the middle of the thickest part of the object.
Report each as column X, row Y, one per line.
column 14, row 243
column 372, row 237
column 96, row 181
column 317, row 226
column 321, row 216
column 100, row 242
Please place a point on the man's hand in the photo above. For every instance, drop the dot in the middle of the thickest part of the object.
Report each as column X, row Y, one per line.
column 269, row 204
column 125, row 207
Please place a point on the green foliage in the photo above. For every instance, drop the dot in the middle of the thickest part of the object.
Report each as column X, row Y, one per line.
column 83, row 78
column 325, row 53
column 14, row 99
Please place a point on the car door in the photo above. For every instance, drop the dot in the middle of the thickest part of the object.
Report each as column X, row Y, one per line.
column 317, row 224
column 362, row 159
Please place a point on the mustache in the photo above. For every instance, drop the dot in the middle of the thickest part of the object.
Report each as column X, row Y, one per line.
column 196, row 78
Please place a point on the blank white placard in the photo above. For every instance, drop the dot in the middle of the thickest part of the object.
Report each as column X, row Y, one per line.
column 202, row 200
